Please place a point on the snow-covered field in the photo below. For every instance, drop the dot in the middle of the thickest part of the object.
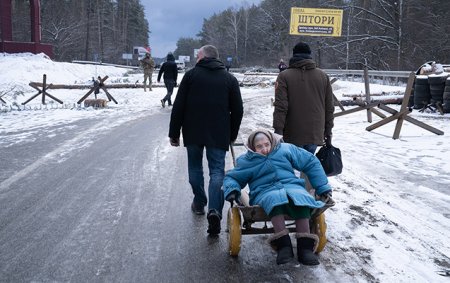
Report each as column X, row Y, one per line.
column 391, row 222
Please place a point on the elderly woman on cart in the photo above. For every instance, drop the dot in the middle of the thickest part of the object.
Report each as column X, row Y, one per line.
column 268, row 169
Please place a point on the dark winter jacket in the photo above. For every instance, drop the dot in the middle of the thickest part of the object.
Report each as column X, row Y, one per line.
column 208, row 106
column 169, row 68
column 303, row 103
column 282, row 66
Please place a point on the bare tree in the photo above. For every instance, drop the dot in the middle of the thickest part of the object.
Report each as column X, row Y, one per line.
column 186, row 46
column 233, row 17
column 81, row 28
column 382, row 34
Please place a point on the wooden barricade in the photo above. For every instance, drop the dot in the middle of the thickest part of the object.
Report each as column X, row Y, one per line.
column 42, row 91
column 98, row 84
column 362, row 105
column 402, row 114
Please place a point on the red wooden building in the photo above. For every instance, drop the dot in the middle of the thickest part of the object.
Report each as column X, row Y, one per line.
column 34, row 45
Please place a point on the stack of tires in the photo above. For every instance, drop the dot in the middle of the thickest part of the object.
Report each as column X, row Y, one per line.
column 437, row 85
column 446, row 96
column 422, row 94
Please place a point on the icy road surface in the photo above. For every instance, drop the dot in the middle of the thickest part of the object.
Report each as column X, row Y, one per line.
column 100, row 196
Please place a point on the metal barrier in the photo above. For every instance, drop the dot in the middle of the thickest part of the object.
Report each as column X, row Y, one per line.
column 331, row 72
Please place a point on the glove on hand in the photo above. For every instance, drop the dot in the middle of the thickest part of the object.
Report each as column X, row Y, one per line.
column 328, row 141
column 231, row 197
column 325, row 196
column 174, row 141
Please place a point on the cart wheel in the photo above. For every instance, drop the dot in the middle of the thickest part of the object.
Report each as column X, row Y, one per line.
column 234, row 230
column 319, row 228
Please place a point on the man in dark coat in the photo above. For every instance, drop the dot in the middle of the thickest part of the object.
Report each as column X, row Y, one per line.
column 282, row 66
column 170, row 71
column 208, row 110
column 303, row 106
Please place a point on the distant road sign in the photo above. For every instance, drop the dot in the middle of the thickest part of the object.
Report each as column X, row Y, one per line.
column 127, row 56
column 316, row 22
column 196, row 52
column 184, row 58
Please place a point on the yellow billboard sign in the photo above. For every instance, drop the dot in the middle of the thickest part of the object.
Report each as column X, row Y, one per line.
column 316, row 22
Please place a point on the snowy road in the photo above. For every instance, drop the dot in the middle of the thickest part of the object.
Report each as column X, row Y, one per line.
column 91, row 215
column 84, row 202
column 116, row 209
column 100, row 196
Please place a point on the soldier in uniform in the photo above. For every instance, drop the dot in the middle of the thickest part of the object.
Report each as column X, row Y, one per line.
column 148, row 64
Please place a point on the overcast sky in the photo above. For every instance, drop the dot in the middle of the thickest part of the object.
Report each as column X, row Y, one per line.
column 171, row 19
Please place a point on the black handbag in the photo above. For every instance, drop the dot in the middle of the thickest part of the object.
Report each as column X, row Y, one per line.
column 331, row 160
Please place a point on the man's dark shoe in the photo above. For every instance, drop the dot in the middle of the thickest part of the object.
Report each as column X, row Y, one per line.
column 199, row 210
column 214, row 223
column 163, row 104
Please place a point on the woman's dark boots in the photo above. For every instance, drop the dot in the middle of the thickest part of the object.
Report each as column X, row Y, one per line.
column 281, row 242
column 306, row 247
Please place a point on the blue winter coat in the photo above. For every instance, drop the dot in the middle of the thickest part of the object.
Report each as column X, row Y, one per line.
column 271, row 178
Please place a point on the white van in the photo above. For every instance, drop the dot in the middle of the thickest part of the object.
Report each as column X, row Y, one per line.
column 180, row 65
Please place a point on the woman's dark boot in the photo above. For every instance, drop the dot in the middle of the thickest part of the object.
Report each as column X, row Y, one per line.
column 306, row 246
column 281, row 242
